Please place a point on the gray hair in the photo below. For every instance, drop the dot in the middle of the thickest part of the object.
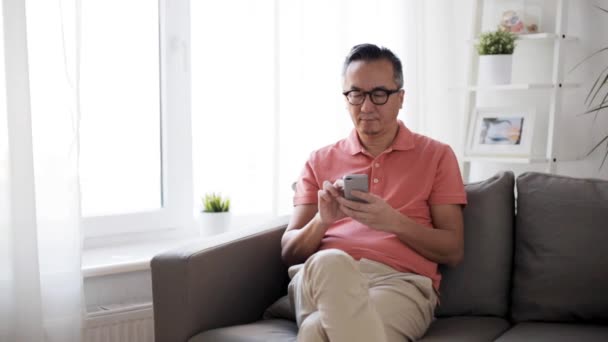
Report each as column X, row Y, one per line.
column 371, row 52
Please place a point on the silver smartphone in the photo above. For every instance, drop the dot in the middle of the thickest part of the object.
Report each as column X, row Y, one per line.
column 355, row 182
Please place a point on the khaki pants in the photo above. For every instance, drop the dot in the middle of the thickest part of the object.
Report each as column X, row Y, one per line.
column 339, row 299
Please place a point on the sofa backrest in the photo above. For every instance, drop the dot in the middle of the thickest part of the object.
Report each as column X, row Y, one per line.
column 561, row 249
column 480, row 284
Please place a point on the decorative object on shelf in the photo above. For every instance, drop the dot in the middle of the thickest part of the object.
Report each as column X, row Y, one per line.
column 527, row 23
column 532, row 18
column 511, row 22
column 495, row 57
column 597, row 98
column 501, row 131
column 215, row 216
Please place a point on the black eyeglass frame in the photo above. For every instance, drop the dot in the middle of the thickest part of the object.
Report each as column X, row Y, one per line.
column 366, row 93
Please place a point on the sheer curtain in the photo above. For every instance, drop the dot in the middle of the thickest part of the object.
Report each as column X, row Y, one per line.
column 443, row 40
column 41, row 296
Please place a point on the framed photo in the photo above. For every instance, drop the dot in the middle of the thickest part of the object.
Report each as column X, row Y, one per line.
column 501, row 131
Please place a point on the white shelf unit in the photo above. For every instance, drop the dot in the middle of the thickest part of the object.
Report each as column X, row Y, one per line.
column 545, row 89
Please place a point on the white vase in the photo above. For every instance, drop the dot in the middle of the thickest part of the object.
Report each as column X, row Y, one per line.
column 214, row 223
column 494, row 69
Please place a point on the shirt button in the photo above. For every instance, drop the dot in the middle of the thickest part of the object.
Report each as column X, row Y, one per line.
column 377, row 165
column 376, row 180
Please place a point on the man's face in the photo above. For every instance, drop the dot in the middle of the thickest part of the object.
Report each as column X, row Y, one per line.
column 371, row 119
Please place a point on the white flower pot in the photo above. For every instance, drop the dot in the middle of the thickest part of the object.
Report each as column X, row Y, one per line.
column 214, row 223
column 494, row 69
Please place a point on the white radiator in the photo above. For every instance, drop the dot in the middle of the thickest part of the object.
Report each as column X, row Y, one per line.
column 133, row 323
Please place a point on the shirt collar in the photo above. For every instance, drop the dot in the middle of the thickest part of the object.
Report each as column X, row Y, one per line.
column 403, row 141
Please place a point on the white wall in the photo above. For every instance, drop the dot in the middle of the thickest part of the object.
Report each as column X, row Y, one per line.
column 591, row 26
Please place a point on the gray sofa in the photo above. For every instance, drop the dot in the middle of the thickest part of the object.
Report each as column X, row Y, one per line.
column 538, row 275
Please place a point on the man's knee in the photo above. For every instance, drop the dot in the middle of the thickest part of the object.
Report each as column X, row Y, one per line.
column 331, row 271
column 331, row 259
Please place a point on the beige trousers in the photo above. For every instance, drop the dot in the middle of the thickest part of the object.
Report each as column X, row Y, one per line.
column 339, row 299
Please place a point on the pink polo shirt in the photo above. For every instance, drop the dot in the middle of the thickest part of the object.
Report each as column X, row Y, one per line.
column 414, row 173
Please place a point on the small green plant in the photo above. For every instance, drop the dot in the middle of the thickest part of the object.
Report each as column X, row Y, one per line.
column 214, row 203
column 496, row 43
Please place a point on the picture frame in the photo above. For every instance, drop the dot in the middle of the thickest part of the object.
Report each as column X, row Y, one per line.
column 501, row 131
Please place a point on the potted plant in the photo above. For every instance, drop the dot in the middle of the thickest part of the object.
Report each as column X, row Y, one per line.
column 215, row 214
column 495, row 51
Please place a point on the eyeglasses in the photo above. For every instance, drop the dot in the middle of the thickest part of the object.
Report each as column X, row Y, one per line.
column 378, row 96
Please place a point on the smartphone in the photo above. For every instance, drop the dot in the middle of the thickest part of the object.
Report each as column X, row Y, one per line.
column 355, row 182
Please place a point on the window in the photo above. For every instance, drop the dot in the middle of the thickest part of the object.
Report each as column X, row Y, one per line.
column 135, row 130
column 120, row 128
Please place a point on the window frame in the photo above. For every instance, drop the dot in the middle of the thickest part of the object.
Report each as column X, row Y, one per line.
column 177, row 211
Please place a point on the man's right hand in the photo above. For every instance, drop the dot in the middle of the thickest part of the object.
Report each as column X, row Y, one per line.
column 329, row 208
column 309, row 222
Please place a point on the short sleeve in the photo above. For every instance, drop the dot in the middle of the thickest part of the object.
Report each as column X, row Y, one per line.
column 448, row 187
column 306, row 187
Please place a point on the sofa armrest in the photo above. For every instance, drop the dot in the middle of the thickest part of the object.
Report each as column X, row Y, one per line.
column 222, row 281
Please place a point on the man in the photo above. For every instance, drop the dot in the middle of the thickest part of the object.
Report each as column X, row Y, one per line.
column 370, row 269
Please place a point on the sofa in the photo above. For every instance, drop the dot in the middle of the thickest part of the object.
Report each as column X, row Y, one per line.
column 535, row 269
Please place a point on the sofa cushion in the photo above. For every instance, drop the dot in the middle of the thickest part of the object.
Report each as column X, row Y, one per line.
column 282, row 308
column 555, row 332
column 480, row 284
column 465, row 329
column 561, row 257
column 274, row 330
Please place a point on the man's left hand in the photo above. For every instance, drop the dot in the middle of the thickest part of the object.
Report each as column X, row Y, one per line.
column 376, row 213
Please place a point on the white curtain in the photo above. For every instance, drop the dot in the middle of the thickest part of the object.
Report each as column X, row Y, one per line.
column 41, row 297
column 442, row 43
